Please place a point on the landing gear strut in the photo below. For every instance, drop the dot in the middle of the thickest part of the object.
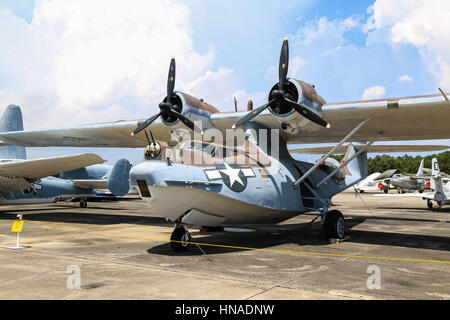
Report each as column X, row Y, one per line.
column 180, row 239
column 83, row 203
column 334, row 225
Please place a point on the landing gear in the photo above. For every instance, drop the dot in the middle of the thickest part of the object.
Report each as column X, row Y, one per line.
column 429, row 204
column 180, row 239
column 334, row 225
column 439, row 205
column 83, row 203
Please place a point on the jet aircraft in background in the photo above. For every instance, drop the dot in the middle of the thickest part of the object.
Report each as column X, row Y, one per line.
column 256, row 180
column 440, row 194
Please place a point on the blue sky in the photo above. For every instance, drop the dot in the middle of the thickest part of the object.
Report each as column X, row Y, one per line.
column 348, row 49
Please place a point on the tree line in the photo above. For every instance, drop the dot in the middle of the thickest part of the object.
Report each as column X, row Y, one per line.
column 405, row 164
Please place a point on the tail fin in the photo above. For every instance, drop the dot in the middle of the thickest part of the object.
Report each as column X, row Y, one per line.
column 118, row 180
column 436, row 177
column 420, row 172
column 12, row 121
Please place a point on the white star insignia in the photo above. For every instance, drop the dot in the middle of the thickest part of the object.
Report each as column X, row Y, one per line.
column 233, row 174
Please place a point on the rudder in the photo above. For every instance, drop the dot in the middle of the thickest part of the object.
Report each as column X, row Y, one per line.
column 12, row 121
column 119, row 178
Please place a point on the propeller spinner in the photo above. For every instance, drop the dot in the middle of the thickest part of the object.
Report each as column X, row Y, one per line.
column 168, row 108
column 280, row 98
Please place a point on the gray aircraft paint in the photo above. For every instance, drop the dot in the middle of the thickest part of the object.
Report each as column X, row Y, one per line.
column 12, row 121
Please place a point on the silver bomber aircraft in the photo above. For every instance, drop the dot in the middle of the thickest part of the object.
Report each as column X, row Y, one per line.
column 257, row 180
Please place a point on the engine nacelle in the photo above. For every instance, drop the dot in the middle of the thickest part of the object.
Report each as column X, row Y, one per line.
column 300, row 92
column 190, row 107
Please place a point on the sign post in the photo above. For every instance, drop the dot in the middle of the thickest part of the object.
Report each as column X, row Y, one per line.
column 17, row 227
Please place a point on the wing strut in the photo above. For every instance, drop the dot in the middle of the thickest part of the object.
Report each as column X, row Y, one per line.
column 322, row 160
column 443, row 93
column 343, row 164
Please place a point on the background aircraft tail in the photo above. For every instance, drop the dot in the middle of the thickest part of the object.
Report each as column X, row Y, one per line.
column 436, row 177
column 12, row 121
column 420, row 172
column 119, row 178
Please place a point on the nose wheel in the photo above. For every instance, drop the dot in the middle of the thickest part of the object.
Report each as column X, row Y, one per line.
column 180, row 239
column 334, row 225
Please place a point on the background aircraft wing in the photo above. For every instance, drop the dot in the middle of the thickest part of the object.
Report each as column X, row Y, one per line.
column 411, row 118
column 428, row 195
column 40, row 168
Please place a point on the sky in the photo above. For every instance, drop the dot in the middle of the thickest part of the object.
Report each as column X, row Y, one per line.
column 76, row 62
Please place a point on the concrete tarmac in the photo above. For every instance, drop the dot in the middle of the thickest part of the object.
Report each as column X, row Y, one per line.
column 123, row 253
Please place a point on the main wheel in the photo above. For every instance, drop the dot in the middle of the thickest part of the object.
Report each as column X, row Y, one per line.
column 179, row 241
column 83, row 204
column 334, row 225
column 429, row 204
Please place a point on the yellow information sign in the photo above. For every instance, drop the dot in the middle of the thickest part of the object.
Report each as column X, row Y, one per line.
column 17, row 226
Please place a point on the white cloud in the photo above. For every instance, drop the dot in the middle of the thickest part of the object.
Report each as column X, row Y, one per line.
column 422, row 23
column 375, row 92
column 405, row 78
column 89, row 61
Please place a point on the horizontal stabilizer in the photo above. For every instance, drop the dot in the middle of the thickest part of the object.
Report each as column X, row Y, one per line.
column 375, row 148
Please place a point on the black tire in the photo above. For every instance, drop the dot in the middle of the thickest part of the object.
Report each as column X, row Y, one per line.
column 361, row 191
column 179, row 241
column 83, row 204
column 429, row 204
column 386, row 191
column 334, row 225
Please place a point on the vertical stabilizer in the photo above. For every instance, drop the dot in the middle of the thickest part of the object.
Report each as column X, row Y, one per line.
column 436, row 178
column 12, row 121
column 420, row 172
column 119, row 178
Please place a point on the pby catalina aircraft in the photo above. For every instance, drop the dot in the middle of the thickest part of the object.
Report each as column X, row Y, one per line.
column 440, row 194
column 256, row 180
column 31, row 181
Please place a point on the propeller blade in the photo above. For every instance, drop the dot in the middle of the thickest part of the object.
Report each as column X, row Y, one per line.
column 145, row 124
column 171, row 80
column 191, row 125
column 308, row 113
column 249, row 116
column 284, row 64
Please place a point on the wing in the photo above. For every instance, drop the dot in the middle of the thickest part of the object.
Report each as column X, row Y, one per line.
column 375, row 148
column 110, row 135
column 429, row 195
column 40, row 168
column 411, row 118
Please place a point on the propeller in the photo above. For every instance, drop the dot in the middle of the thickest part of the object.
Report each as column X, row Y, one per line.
column 168, row 108
column 280, row 98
